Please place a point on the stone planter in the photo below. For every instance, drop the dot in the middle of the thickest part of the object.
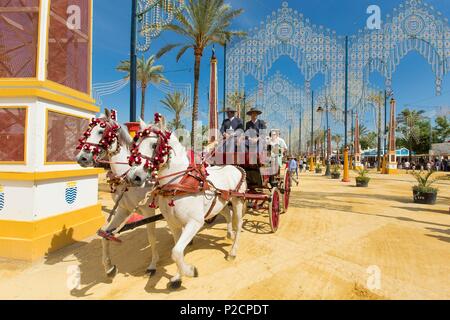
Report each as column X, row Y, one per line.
column 335, row 175
column 362, row 183
column 424, row 197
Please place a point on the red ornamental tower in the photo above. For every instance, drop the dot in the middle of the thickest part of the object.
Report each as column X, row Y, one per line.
column 213, row 98
column 392, row 156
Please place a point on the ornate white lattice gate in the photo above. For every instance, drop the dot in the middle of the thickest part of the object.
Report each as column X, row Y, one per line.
column 413, row 26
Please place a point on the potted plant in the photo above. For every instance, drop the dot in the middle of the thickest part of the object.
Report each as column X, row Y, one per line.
column 423, row 192
column 336, row 172
column 362, row 180
column 318, row 168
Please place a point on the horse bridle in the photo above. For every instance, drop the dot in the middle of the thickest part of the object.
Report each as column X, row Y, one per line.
column 110, row 135
column 162, row 148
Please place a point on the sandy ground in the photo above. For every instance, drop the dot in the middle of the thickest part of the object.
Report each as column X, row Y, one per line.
column 336, row 242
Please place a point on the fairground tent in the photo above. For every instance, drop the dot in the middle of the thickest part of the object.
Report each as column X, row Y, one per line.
column 402, row 152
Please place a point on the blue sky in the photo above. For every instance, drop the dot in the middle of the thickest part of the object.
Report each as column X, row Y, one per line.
column 413, row 82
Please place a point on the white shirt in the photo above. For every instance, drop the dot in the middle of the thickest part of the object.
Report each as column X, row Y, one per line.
column 230, row 127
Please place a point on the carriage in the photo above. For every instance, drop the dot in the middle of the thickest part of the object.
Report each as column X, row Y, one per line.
column 268, row 189
column 195, row 191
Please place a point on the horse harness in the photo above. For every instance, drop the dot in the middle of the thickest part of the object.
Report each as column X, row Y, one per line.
column 194, row 181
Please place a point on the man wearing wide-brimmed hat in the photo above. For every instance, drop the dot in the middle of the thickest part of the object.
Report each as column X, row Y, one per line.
column 255, row 123
column 232, row 123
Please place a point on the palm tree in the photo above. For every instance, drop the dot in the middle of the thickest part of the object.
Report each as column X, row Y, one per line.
column 337, row 138
column 175, row 102
column 378, row 101
column 236, row 100
column 318, row 139
column 202, row 23
column 408, row 125
column 147, row 73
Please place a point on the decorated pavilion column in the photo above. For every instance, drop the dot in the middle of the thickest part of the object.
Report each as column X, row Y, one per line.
column 357, row 145
column 213, row 98
column 391, row 165
column 47, row 200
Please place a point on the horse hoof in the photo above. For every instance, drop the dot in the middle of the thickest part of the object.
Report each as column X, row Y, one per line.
column 231, row 258
column 150, row 272
column 175, row 284
column 111, row 273
column 195, row 272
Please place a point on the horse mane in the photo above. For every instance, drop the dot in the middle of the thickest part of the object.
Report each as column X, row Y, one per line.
column 124, row 136
column 177, row 147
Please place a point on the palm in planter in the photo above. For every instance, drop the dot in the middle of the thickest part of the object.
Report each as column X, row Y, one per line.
column 318, row 168
column 362, row 180
column 336, row 172
column 423, row 192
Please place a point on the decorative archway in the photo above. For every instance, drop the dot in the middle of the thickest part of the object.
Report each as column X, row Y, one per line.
column 281, row 100
column 285, row 32
column 414, row 26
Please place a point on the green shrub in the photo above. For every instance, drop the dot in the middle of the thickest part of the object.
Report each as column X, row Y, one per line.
column 425, row 182
column 336, row 169
column 363, row 172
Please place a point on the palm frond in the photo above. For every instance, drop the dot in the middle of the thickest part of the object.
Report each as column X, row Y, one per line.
column 167, row 49
column 182, row 51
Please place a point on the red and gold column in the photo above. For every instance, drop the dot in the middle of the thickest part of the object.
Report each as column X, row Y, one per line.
column 213, row 99
column 391, row 163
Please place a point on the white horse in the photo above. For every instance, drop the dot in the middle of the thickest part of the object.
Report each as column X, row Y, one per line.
column 108, row 141
column 186, row 214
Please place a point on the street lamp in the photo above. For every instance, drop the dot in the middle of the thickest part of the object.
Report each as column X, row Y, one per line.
column 311, row 159
column 328, row 133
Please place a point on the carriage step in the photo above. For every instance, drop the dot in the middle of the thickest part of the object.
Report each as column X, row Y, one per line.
column 108, row 236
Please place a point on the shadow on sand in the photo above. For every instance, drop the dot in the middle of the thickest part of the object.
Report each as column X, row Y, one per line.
column 446, row 232
column 132, row 256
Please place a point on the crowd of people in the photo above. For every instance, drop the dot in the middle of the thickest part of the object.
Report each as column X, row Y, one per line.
column 422, row 164
column 301, row 164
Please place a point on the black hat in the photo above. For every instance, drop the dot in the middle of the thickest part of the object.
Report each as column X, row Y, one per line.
column 254, row 110
column 229, row 109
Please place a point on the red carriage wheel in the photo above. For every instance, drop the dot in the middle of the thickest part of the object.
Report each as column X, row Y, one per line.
column 274, row 209
column 287, row 190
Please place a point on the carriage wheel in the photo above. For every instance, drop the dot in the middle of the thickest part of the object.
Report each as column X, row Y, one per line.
column 287, row 190
column 274, row 209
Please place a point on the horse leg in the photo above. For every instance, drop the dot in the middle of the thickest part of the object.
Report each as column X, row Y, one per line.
column 228, row 214
column 151, row 234
column 238, row 206
column 118, row 219
column 188, row 233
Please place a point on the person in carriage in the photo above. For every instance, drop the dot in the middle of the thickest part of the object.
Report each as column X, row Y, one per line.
column 231, row 124
column 278, row 147
column 276, row 150
column 255, row 123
